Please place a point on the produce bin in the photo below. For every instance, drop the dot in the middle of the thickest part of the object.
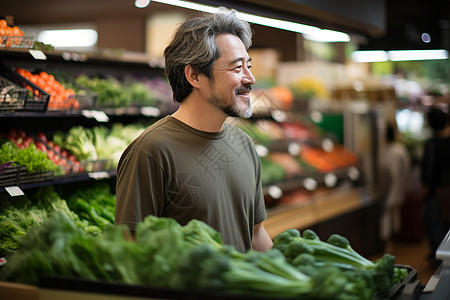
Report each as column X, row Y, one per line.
column 12, row 97
column 37, row 99
column 27, row 177
column 63, row 286
column 10, row 175
column 25, row 42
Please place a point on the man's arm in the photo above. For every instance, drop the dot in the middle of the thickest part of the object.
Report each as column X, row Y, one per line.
column 261, row 240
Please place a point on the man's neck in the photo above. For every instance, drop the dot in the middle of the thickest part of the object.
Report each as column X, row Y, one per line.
column 200, row 115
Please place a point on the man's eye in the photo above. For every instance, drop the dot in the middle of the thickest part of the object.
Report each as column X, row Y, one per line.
column 249, row 66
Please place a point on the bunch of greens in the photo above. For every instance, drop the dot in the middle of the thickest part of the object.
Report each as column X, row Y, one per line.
column 94, row 203
column 98, row 142
column 35, row 160
column 110, row 92
column 18, row 215
column 336, row 267
column 163, row 254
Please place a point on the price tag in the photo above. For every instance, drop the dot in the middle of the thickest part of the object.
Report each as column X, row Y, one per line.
column 261, row 150
column 275, row 192
column 98, row 115
column 99, row 175
column 310, row 184
column 150, row 111
column 14, row 191
column 294, row 149
column 37, row 54
column 279, row 115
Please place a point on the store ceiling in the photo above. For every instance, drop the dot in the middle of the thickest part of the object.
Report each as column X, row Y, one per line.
column 382, row 24
column 407, row 20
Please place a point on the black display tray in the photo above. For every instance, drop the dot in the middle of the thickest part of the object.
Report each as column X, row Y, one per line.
column 123, row 289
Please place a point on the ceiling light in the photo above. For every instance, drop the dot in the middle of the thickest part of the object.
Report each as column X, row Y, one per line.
column 141, row 3
column 69, row 37
column 326, row 35
column 314, row 33
column 369, row 56
column 400, row 55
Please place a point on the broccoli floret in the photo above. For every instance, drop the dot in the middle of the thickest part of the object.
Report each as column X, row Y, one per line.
column 337, row 252
column 331, row 282
column 310, row 235
column 383, row 273
column 295, row 248
column 304, row 259
column 283, row 239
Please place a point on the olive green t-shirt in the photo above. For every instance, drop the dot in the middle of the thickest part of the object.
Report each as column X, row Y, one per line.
column 174, row 170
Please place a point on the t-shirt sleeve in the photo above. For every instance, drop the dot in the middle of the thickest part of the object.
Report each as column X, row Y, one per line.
column 139, row 189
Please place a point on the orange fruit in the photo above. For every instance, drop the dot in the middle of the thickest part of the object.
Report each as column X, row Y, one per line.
column 3, row 23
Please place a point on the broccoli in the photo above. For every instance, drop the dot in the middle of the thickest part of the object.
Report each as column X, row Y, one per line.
column 307, row 252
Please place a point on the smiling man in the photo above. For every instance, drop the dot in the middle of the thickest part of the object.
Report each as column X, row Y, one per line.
column 191, row 164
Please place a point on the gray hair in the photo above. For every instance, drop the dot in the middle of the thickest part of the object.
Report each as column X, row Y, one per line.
column 194, row 43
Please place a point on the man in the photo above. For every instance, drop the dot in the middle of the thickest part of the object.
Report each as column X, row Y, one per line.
column 193, row 165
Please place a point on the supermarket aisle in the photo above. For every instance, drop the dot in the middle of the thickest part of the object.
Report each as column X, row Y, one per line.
column 414, row 254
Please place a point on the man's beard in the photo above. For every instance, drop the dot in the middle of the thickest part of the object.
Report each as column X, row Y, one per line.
column 235, row 110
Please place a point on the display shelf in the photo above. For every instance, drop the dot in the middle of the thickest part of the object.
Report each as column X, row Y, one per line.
column 324, row 205
column 72, row 178
column 135, row 60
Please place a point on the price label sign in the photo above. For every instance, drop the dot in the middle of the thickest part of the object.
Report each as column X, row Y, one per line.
column 98, row 115
column 14, row 191
column 38, row 54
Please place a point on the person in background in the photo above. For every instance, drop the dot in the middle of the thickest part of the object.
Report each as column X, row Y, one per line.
column 395, row 173
column 192, row 164
column 435, row 175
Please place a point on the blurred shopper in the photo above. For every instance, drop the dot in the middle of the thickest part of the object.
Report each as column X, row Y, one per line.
column 436, row 179
column 394, row 174
column 192, row 164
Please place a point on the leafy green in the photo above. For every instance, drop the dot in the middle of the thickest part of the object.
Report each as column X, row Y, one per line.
column 336, row 259
column 35, row 160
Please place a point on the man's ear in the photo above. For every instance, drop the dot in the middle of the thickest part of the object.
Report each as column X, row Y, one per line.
column 192, row 77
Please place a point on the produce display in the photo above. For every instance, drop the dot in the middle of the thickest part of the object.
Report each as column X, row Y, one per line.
column 98, row 143
column 60, row 97
column 192, row 257
column 114, row 93
column 13, row 36
column 90, row 208
column 34, row 159
column 37, row 153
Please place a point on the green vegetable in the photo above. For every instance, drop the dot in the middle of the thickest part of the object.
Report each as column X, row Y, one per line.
column 35, row 160
column 309, row 253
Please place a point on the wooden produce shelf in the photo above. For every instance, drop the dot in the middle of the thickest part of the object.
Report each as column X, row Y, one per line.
column 320, row 208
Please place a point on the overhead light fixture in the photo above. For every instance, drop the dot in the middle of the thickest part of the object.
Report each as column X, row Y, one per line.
column 141, row 3
column 398, row 55
column 66, row 38
column 310, row 32
column 369, row 56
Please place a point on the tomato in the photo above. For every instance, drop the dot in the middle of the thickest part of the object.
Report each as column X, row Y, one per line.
column 65, row 153
column 41, row 136
column 41, row 147
column 50, row 154
column 57, row 148
column 21, row 133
